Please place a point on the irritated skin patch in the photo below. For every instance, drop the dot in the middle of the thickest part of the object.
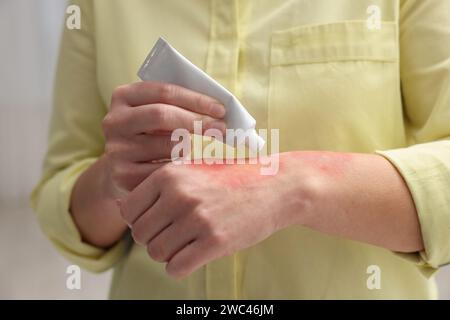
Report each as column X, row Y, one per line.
column 234, row 175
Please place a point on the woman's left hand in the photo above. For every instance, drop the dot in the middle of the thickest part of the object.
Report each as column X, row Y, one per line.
column 189, row 215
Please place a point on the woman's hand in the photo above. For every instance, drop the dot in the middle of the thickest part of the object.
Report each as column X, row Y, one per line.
column 138, row 125
column 136, row 130
column 188, row 215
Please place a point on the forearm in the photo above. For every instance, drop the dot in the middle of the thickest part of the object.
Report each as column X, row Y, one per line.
column 94, row 209
column 360, row 197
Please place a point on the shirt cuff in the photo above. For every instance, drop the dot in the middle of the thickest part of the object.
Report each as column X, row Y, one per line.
column 426, row 171
column 51, row 200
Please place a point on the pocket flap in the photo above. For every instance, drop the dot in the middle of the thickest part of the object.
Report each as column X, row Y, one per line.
column 342, row 41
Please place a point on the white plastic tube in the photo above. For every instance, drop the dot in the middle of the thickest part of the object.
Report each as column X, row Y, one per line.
column 165, row 64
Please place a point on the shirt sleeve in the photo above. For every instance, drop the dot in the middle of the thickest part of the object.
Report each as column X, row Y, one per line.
column 425, row 165
column 75, row 142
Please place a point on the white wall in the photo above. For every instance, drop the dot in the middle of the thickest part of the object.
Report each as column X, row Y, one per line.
column 29, row 266
column 29, row 33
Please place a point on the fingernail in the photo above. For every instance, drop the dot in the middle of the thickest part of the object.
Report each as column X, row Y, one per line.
column 118, row 202
column 217, row 110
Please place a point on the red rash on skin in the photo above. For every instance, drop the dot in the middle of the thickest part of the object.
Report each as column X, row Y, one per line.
column 332, row 164
column 232, row 175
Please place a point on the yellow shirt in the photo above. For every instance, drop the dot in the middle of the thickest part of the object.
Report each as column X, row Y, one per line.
column 320, row 71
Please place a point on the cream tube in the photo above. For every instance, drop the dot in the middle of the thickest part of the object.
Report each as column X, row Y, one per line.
column 165, row 64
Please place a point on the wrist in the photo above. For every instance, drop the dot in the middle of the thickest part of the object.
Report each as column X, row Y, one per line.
column 304, row 188
column 107, row 187
column 323, row 182
column 94, row 209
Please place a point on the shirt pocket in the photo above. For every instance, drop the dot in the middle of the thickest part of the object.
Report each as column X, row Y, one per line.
column 335, row 87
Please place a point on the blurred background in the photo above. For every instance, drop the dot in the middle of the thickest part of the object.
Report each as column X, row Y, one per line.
column 29, row 266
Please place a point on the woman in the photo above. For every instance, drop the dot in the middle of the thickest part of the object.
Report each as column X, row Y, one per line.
column 369, row 84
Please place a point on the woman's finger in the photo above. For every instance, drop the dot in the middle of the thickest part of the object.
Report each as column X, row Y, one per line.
column 170, row 240
column 163, row 117
column 142, row 93
column 191, row 257
column 145, row 148
column 153, row 221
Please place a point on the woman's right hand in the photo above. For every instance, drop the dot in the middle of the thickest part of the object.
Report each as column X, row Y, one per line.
column 138, row 125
